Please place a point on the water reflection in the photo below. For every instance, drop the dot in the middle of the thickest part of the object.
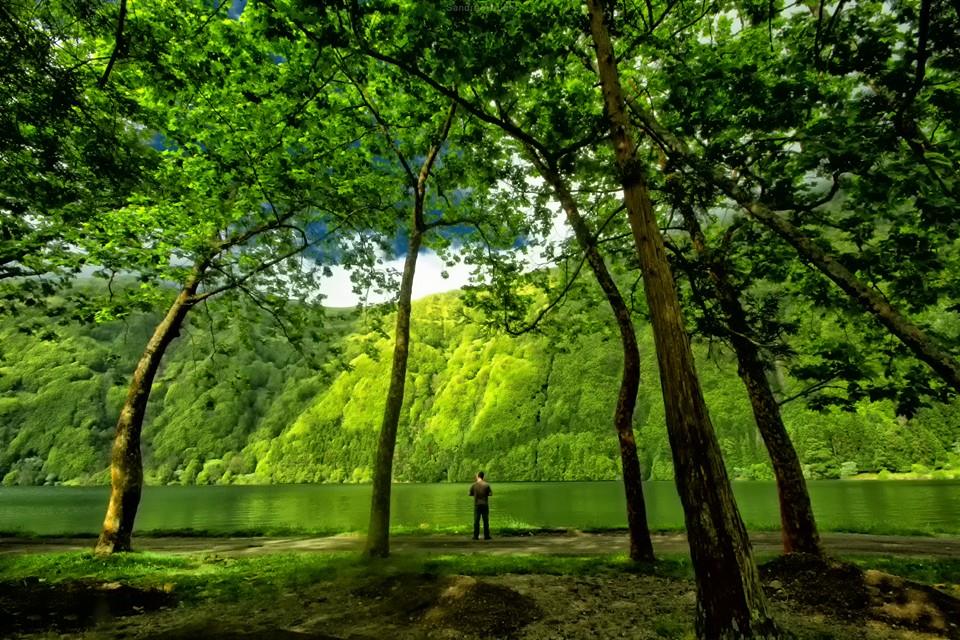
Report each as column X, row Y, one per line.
column 933, row 505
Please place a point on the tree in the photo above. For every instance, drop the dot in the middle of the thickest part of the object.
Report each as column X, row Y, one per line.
column 378, row 533
column 65, row 153
column 364, row 35
column 568, row 133
column 798, row 525
column 833, row 169
column 247, row 181
column 718, row 539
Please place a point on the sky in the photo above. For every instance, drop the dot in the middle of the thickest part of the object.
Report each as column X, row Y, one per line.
column 338, row 290
column 428, row 279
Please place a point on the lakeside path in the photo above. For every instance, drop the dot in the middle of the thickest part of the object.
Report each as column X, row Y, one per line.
column 573, row 543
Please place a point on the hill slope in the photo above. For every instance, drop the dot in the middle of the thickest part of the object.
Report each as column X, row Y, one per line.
column 235, row 403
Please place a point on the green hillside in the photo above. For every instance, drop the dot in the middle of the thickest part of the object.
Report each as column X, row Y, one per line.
column 237, row 403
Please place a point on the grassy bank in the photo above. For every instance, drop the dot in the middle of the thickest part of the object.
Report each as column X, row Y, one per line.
column 211, row 576
column 469, row 596
column 916, row 474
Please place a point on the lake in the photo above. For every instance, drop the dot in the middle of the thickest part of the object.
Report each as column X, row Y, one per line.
column 844, row 505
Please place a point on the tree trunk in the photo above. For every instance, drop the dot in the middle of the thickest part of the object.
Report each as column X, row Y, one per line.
column 641, row 547
column 378, row 533
column 730, row 601
column 126, row 465
column 871, row 300
column 798, row 526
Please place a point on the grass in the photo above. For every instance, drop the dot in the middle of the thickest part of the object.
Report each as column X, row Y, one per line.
column 939, row 571
column 205, row 575
column 192, row 577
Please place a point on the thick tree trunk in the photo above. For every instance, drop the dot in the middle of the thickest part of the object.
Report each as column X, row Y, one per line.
column 730, row 601
column 126, row 465
column 641, row 547
column 798, row 526
column 378, row 533
column 871, row 300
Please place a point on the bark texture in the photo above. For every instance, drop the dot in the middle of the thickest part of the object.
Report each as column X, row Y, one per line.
column 378, row 533
column 641, row 547
column 730, row 601
column 798, row 525
column 126, row 464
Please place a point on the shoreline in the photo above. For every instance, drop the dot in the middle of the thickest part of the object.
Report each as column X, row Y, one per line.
column 567, row 544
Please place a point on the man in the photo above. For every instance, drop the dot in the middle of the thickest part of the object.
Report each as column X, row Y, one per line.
column 481, row 492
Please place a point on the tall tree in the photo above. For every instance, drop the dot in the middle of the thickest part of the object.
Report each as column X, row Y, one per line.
column 798, row 524
column 841, row 142
column 568, row 132
column 247, row 180
column 718, row 539
column 363, row 35
column 378, row 532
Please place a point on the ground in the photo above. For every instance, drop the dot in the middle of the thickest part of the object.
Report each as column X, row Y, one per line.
column 508, row 588
column 557, row 542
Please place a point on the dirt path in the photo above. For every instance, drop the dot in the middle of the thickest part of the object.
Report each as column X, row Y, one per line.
column 573, row 543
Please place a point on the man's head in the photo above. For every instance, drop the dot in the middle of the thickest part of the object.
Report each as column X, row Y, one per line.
column 480, row 475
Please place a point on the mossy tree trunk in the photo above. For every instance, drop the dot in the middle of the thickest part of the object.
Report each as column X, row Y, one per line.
column 730, row 601
column 126, row 464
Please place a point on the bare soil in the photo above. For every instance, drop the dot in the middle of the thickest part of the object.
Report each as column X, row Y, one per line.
column 32, row 605
column 812, row 599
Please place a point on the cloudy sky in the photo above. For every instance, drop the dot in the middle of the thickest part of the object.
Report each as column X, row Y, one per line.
column 339, row 290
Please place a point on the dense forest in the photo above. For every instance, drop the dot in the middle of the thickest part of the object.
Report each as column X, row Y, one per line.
column 240, row 404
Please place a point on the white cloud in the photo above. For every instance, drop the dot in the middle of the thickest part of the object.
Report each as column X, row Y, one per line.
column 428, row 280
column 338, row 289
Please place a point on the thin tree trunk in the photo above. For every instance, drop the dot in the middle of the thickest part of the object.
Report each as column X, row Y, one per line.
column 798, row 525
column 378, row 533
column 872, row 301
column 126, row 464
column 641, row 547
column 730, row 601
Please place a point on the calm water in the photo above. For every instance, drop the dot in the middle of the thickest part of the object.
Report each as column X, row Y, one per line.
column 927, row 505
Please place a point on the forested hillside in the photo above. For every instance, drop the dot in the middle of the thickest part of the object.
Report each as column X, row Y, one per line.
column 237, row 403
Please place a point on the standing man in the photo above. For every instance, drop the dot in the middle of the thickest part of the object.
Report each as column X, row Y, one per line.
column 481, row 492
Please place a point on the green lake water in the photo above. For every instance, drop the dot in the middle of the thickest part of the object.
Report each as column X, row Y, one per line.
column 880, row 506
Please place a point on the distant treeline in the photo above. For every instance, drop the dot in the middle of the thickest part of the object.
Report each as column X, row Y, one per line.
column 236, row 403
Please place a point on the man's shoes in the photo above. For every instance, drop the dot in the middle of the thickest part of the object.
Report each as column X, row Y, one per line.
column 486, row 538
column 476, row 538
